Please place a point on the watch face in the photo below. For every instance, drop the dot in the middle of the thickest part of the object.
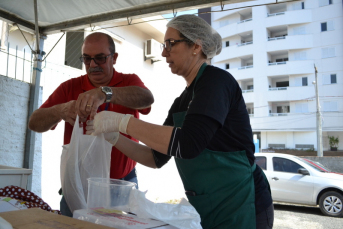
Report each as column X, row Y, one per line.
column 106, row 89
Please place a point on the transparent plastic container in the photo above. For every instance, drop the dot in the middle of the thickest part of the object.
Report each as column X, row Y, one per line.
column 109, row 194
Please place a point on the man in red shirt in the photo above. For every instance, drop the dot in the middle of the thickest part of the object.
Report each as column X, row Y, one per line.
column 102, row 88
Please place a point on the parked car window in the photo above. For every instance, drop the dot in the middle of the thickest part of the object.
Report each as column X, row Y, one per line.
column 316, row 165
column 262, row 162
column 285, row 165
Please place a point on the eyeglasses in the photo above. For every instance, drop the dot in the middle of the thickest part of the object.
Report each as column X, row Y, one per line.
column 168, row 44
column 98, row 59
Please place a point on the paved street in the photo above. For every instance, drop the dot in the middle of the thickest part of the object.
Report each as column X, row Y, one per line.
column 300, row 217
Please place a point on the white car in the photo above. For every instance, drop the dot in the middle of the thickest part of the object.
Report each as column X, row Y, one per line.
column 301, row 181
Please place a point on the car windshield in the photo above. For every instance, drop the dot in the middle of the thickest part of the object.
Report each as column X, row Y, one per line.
column 316, row 165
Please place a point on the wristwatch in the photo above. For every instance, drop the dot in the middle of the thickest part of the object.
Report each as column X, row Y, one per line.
column 108, row 92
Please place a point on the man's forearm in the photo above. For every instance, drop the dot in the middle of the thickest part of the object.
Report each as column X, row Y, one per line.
column 44, row 119
column 132, row 96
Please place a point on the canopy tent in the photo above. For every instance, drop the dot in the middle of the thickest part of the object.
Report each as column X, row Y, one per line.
column 56, row 16
column 50, row 16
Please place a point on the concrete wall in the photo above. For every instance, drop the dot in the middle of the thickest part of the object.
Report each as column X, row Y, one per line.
column 14, row 101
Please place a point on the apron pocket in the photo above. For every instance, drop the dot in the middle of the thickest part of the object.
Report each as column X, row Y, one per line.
column 203, row 205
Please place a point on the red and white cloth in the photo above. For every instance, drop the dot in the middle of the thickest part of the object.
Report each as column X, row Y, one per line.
column 27, row 198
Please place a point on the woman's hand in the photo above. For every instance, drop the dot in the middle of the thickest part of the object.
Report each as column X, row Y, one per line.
column 111, row 137
column 109, row 121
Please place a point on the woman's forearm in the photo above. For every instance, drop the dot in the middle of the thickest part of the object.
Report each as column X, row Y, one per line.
column 137, row 152
column 154, row 136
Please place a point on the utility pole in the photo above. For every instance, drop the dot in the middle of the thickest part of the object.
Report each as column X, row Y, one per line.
column 318, row 118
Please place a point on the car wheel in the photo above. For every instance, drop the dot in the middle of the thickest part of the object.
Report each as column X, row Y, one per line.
column 331, row 204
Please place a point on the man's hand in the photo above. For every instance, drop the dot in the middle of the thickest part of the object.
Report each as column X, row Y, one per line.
column 67, row 111
column 111, row 137
column 108, row 121
column 88, row 102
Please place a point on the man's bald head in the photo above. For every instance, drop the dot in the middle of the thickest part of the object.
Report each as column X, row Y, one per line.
column 98, row 37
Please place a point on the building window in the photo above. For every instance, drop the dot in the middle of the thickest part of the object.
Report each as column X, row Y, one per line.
column 227, row 43
column 250, row 110
column 304, row 81
column 330, row 106
column 74, row 41
column 327, row 26
column 298, row 6
column 325, row 2
column 282, row 84
column 282, row 109
column 329, row 78
column 281, row 60
column 300, row 81
column 328, row 52
column 227, row 66
column 250, row 87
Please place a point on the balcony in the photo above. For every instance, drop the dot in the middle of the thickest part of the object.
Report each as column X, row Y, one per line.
column 278, row 114
column 242, row 74
column 245, row 67
column 291, row 68
column 246, row 20
column 275, row 14
column 277, row 63
column 281, row 121
column 231, row 52
column 276, row 38
column 246, row 43
column 289, row 42
column 235, row 28
column 277, row 88
column 288, row 93
column 248, row 96
column 289, row 17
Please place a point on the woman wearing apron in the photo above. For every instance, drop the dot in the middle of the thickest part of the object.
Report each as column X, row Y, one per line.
column 207, row 131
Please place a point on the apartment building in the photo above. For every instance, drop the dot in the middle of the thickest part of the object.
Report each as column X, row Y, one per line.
column 272, row 51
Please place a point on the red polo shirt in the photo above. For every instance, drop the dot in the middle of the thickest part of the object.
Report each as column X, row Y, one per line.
column 121, row 165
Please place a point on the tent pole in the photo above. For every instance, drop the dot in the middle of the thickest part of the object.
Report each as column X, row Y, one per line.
column 34, row 98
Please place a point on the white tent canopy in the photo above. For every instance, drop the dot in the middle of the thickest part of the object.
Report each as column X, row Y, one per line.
column 60, row 15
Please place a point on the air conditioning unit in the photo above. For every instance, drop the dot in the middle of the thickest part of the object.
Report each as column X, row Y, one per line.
column 152, row 50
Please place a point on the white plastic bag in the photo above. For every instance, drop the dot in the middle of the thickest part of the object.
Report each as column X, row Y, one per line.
column 182, row 215
column 84, row 157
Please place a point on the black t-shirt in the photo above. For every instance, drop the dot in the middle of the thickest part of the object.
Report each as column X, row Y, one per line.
column 216, row 119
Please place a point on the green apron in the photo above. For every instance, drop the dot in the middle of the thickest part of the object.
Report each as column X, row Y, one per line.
column 220, row 185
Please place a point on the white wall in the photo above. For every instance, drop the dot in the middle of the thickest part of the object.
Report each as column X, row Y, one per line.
column 14, row 101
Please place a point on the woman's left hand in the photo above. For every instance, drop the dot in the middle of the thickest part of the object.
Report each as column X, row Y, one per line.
column 109, row 121
column 111, row 137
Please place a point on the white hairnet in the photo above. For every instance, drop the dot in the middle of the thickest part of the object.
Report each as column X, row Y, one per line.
column 198, row 31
